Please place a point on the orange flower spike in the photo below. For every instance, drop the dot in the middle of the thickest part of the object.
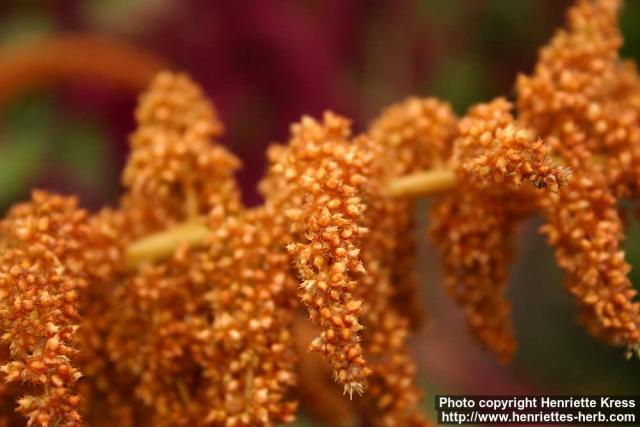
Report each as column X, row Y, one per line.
column 42, row 273
column 585, row 229
column 328, row 176
column 476, row 242
column 174, row 160
column 574, row 79
column 474, row 225
column 414, row 135
column 583, row 97
column 160, row 327
column 252, row 300
column 392, row 397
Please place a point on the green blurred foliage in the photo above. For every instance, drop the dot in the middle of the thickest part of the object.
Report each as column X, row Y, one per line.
column 22, row 154
column 38, row 138
column 631, row 30
column 83, row 150
column 462, row 81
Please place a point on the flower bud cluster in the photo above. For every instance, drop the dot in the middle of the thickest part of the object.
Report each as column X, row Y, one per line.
column 584, row 98
column 329, row 173
column 42, row 273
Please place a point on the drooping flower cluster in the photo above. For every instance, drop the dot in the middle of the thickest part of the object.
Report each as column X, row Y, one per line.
column 328, row 172
column 584, row 99
column 474, row 225
column 160, row 319
column 585, row 228
column 415, row 134
column 344, row 252
column 407, row 137
column 252, row 299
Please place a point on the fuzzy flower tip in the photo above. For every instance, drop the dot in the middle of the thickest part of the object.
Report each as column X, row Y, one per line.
column 41, row 278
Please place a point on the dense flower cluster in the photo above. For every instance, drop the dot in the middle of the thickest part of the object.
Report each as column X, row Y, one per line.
column 330, row 172
column 344, row 239
column 415, row 134
column 42, row 273
column 474, row 225
column 584, row 99
column 180, row 306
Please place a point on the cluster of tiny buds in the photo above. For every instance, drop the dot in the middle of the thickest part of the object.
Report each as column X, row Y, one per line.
column 496, row 149
column 328, row 257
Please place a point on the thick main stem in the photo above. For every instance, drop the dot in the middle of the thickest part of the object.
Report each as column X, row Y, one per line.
column 193, row 232
column 422, row 183
column 162, row 244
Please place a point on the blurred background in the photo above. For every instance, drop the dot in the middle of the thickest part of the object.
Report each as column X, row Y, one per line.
column 267, row 62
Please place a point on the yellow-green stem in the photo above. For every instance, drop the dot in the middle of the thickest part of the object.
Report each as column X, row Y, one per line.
column 422, row 183
column 160, row 245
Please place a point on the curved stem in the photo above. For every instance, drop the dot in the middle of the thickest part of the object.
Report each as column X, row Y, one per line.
column 37, row 63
